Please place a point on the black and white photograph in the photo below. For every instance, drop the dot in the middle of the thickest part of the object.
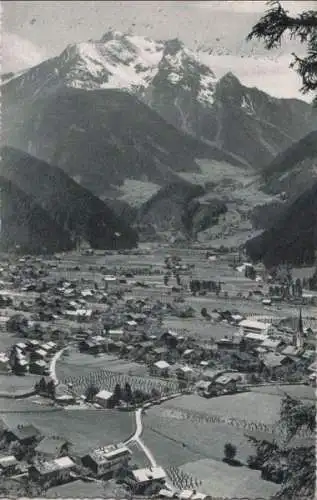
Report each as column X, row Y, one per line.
column 158, row 250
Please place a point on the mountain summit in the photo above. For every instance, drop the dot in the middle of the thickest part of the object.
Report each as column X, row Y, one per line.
column 172, row 80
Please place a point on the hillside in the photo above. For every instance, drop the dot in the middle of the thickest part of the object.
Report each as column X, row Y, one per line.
column 25, row 226
column 100, row 138
column 249, row 126
column 179, row 207
column 293, row 237
column 293, row 171
column 74, row 208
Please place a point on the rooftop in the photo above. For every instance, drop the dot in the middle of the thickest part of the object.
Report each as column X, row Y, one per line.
column 104, row 454
column 148, row 474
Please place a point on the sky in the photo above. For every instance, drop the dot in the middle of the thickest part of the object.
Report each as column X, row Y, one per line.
column 33, row 31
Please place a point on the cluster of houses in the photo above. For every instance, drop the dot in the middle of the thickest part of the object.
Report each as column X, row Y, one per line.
column 52, row 460
column 30, row 356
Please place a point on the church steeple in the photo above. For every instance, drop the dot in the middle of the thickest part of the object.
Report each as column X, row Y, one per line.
column 300, row 332
column 300, row 323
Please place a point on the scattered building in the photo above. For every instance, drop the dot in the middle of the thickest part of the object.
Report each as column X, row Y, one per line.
column 103, row 397
column 53, row 472
column 255, row 327
column 141, row 479
column 105, row 461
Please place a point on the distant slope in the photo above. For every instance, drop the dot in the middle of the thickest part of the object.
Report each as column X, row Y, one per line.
column 102, row 137
column 293, row 170
column 25, row 226
column 74, row 208
column 246, row 122
column 293, row 237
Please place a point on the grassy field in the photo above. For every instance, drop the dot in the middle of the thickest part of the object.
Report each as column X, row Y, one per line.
column 15, row 385
column 249, row 406
column 81, row 489
column 85, row 429
column 175, row 442
column 222, row 480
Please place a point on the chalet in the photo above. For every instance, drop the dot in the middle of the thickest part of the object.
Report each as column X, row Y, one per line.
column 130, row 325
column 39, row 367
column 24, row 434
column 185, row 373
column 107, row 460
column 90, row 346
column 141, row 479
column 8, row 465
column 292, row 351
column 203, row 386
column 38, row 354
column 33, row 344
column 227, row 344
column 52, row 447
column 256, row 327
column 254, row 339
column 273, row 362
column 211, row 375
column 160, row 352
column 116, row 334
column 227, row 381
column 272, row 344
column 161, row 368
column 22, row 366
column 22, row 347
column 53, row 472
column 102, row 398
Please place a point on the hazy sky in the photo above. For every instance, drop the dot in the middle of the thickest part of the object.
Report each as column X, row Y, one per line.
column 35, row 30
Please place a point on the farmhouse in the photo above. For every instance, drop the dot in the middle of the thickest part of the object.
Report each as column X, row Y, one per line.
column 211, row 375
column 107, row 460
column 8, row 465
column 116, row 334
column 227, row 381
column 103, row 397
column 161, row 368
column 52, row 447
column 272, row 344
column 256, row 327
column 24, row 434
column 140, row 479
column 39, row 367
column 53, row 472
column 254, row 339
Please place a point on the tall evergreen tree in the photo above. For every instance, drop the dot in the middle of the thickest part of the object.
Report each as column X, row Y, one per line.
column 276, row 23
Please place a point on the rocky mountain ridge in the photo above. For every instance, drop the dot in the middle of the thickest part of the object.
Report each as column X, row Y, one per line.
column 245, row 122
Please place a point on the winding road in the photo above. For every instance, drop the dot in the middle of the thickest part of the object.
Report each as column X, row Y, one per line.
column 54, row 360
column 136, row 438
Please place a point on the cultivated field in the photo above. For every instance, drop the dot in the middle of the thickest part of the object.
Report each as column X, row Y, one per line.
column 106, row 376
column 78, row 364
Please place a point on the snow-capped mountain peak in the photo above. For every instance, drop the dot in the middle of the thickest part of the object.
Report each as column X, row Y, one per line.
column 134, row 63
